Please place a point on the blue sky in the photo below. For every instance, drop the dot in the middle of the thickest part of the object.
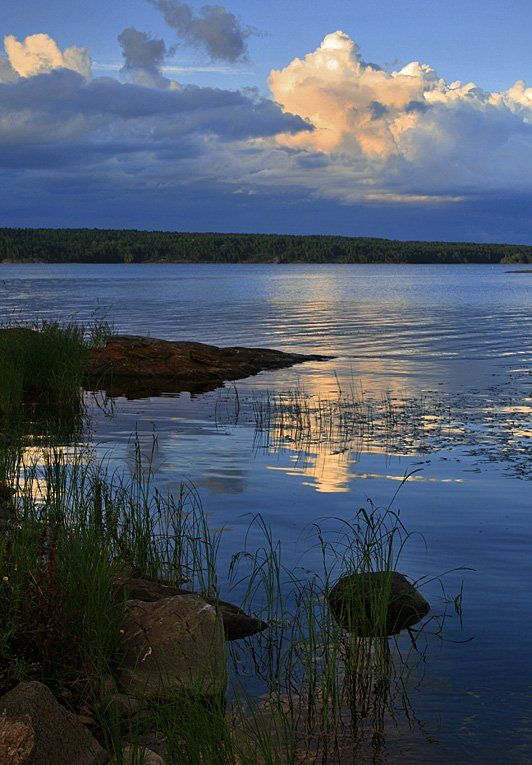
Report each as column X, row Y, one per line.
column 353, row 139
column 482, row 40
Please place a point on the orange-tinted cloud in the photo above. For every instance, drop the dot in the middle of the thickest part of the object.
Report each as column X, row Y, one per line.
column 40, row 54
column 357, row 107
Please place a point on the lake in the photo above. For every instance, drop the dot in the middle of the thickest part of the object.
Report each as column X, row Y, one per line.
column 439, row 359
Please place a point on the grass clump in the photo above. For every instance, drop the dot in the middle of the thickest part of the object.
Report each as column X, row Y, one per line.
column 70, row 531
column 329, row 693
column 44, row 364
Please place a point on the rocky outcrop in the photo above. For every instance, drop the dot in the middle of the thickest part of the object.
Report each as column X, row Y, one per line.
column 129, row 363
column 36, row 730
column 237, row 624
column 172, row 645
column 370, row 604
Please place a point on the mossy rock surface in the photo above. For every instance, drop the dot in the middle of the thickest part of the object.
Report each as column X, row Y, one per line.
column 375, row 603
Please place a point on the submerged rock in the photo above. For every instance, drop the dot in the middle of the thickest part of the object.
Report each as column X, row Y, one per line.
column 36, row 730
column 172, row 645
column 237, row 624
column 132, row 364
column 373, row 603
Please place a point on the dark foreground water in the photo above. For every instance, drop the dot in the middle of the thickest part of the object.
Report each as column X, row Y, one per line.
column 446, row 350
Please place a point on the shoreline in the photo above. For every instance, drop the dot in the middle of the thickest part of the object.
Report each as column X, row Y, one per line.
column 308, row 263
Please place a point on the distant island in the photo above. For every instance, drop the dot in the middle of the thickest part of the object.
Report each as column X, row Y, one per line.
column 129, row 246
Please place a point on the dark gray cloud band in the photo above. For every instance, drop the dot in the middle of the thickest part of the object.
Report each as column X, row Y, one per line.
column 61, row 104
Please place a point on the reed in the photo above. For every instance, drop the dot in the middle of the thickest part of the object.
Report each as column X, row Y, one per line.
column 303, row 690
column 327, row 691
column 346, row 420
column 44, row 363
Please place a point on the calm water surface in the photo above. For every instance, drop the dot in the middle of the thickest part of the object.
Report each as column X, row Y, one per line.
column 454, row 337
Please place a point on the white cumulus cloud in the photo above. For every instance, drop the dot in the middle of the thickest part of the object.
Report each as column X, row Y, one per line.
column 405, row 134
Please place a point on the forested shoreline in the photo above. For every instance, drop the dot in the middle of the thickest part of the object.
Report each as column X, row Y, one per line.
column 131, row 246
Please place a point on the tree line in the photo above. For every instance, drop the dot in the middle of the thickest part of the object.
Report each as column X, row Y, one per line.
column 130, row 246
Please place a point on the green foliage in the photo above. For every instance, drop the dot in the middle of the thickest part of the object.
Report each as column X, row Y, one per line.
column 522, row 256
column 70, row 530
column 59, row 620
column 45, row 363
column 128, row 246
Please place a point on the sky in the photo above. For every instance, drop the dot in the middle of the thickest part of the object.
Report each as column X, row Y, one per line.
column 408, row 120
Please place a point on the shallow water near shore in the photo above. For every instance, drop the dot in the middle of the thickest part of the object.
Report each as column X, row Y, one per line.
column 448, row 349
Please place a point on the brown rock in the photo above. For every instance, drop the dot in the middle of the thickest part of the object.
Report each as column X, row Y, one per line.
column 135, row 588
column 237, row 624
column 108, row 685
column 6, row 492
column 156, row 742
column 7, row 503
column 126, row 706
column 36, row 730
column 355, row 601
column 173, row 644
column 137, row 365
column 140, row 756
column 17, row 742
